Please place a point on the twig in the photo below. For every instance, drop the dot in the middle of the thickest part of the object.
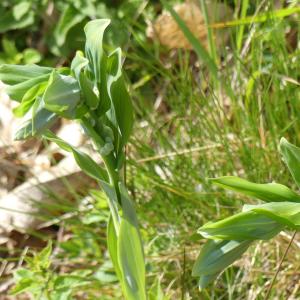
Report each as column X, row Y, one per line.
column 125, row 165
column 183, row 275
column 279, row 266
column 183, row 152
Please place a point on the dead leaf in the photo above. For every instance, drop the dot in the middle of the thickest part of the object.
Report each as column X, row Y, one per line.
column 168, row 33
column 25, row 207
column 166, row 30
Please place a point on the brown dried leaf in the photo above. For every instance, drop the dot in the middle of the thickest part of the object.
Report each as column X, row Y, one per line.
column 22, row 208
column 168, row 33
column 166, row 30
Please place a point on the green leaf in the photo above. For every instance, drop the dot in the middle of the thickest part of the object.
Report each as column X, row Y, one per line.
column 285, row 213
column 11, row 20
column 130, row 251
column 21, row 81
column 291, row 156
column 86, row 163
column 127, row 206
column 259, row 18
column 94, row 31
column 232, row 236
column 21, row 9
column 105, row 274
column 22, row 273
column 9, row 48
column 121, row 112
column 255, row 222
column 112, row 245
column 42, row 120
column 131, row 261
column 269, row 192
column 14, row 74
column 28, row 99
column 156, row 292
column 61, row 294
column 69, row 18
column 245, row 225
column 103, row 137
column 16, row 92
column 26, row 284
column 215, row 256
column 78, row 65
column 70, row 282
column 112, row 198
column 31, row 56
column 42, row 259
column 62, row 95
column 205, row 280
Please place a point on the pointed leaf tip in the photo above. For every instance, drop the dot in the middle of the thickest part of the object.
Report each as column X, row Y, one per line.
column 283, row 141
column 291, row 156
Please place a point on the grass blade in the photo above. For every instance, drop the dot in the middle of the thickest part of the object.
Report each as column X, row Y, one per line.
column 199, row 49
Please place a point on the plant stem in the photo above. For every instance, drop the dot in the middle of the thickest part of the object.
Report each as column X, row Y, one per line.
column 279, row 266
column 109, row 159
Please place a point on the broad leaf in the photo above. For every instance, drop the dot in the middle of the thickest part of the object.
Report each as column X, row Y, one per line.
column 255, row 222
column 42, row 120
column 21, row 9
column 269, row 192
column 29, row 98
column 232, row 236
column 291, row 156
column 87, row 164
column 121, row 112
column 131, row 261
column 112, row 245
column 69, row 18
column 112, row 197
column 14, row 74
column 16, row 18
column 94, row 31
column 26, row 285
column 31, row 56
column 78, row 65
column 245, row 225
column 127, row 206
column 215, row 256
column 62, row 95
column 17, row 92
column 285, row 213
column 130, row 251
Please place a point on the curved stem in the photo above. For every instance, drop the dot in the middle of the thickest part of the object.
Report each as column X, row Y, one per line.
column 279, row 266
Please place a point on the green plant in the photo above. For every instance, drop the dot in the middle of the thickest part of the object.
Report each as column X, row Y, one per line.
column 11, row 55
column 231, row 237
column 40, row 280
column 54, row 27
column 92, row 92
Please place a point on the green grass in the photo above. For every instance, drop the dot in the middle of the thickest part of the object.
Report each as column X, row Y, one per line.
column 189, row 127
column 235, row 134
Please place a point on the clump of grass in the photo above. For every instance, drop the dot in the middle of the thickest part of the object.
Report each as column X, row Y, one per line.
column 198, row 132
